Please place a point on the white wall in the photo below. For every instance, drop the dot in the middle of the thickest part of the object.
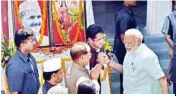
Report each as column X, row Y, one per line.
column 156, row 13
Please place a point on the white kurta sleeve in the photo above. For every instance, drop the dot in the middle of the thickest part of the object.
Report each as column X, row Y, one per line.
column 97, row 85
column 58, row 90
column 152, row 66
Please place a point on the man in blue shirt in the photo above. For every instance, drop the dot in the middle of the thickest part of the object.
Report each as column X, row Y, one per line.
column 169, row 29
column 124, row 20
column 21, row 71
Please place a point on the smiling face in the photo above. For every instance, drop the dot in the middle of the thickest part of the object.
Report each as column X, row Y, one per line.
column 98, row 41
column 32, row 19
column 131, row 43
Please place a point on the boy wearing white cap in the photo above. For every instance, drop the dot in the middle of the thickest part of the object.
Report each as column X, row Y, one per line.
column 31, row 17
column 53, row 75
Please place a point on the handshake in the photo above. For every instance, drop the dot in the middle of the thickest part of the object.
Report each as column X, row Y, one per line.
column 102, row 59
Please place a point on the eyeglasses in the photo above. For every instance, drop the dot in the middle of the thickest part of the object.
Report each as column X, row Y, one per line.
column 100, row 39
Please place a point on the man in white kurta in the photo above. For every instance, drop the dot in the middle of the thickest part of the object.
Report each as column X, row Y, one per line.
column 142, row 73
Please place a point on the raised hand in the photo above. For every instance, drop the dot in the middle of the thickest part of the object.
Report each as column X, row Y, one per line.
column 95, row 72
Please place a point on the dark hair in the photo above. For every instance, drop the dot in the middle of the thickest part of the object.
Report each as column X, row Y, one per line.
column 21, row 35
column 47, row 75
column 93, row 30
column 173, row 3
column 86, row 87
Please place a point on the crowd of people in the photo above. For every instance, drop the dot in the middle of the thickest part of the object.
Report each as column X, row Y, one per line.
column 139, row 66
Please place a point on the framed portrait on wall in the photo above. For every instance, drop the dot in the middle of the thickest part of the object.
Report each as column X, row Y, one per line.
column 33, row 15
column 68, row 21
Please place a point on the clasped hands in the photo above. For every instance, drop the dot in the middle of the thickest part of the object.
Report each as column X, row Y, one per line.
column 102, row 59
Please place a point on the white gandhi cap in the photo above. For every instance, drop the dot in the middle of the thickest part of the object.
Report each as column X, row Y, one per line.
column 29, row 5
column 51, row 65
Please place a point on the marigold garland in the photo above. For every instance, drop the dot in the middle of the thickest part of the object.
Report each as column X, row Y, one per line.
column 79, row 23
column 17, row 13
column 104, row 74
column 6, row 84
column 43, row 23
column 58, row 27
column 110, row 81
column 41, row 77
column 40, row 61
column 43, row 18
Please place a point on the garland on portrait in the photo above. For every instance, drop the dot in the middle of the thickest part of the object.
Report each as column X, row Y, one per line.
column 44, row 4
column 58, row 26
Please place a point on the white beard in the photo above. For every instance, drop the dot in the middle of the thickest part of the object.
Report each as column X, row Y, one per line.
column 134, row 48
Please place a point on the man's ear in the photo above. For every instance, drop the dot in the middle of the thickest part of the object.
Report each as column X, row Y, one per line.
column 139, row 41
column 53, row 75
column 89, row 40
column 22, row 45
column 82, row 56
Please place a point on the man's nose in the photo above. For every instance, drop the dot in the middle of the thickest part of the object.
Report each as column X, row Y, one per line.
column 102, row 41
column 36, row 20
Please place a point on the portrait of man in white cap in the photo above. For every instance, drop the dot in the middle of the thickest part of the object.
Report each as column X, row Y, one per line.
column 53, row 75
column 31, row 17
